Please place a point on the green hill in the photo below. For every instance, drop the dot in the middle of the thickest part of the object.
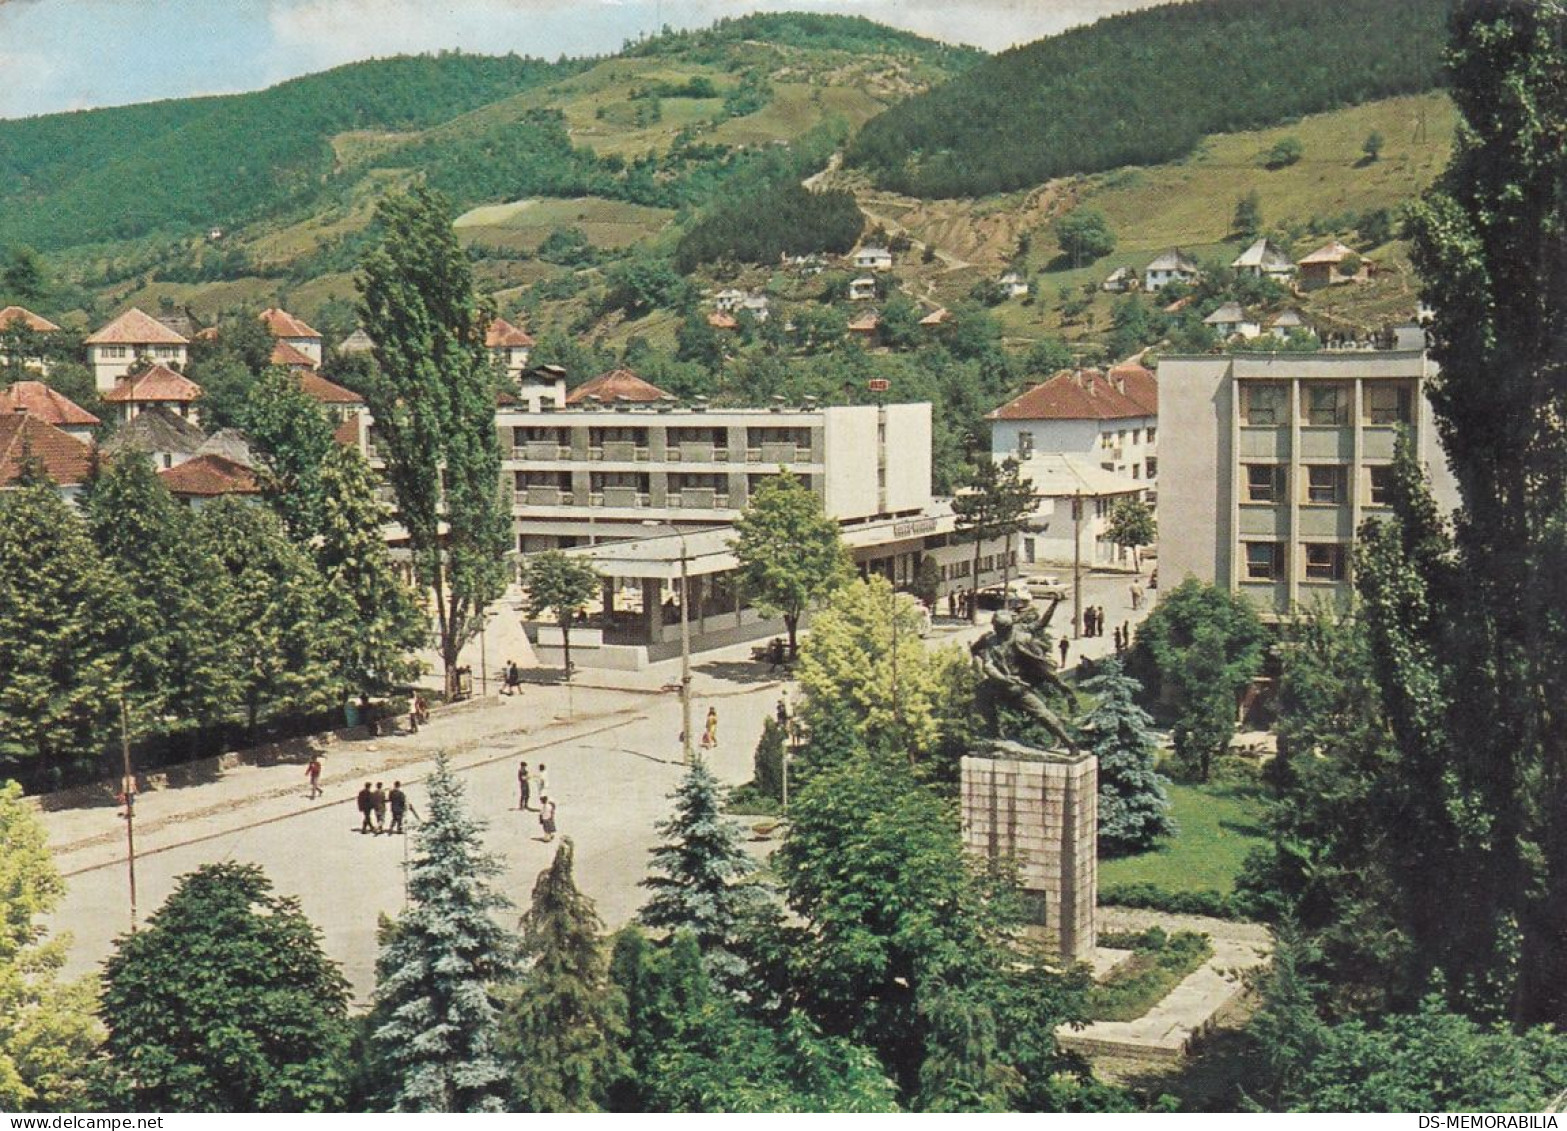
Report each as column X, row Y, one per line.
column 1143, row 88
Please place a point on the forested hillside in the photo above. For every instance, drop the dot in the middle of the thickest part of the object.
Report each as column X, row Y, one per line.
column 1144, row 87
column 125, row 172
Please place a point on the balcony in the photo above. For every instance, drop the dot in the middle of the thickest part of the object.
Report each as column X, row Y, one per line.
column 619, row 497
column 543, row 497
column 776, row 453
column 540, row 451
column 698, row 498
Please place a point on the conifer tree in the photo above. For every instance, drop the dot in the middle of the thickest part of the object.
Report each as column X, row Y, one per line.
column 63, row 621
column 435, row 1025
column 698, row 881
column 1134, row 807
column 565, row 1026
column 433, row 398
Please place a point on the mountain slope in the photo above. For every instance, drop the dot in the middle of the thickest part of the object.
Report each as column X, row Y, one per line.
column 1144, row 87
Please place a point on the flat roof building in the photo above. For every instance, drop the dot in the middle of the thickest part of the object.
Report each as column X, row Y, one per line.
column 1271, row 463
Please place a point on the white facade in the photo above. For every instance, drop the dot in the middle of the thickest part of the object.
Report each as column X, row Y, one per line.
column 1128, row 447
column 110, row 362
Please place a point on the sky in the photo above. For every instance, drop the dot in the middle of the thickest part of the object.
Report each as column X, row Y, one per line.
column 76, row 54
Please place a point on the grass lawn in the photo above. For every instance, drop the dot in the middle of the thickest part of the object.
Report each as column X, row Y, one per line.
column 1219, row 823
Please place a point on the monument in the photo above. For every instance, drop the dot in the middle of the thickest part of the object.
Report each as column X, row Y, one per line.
column 1035, row 805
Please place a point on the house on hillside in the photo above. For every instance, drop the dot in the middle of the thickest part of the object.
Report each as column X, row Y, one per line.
column 166, row 438
column 1174, row 266
column 1323, row 267
column 1119, row 281
column 862, row 289
column 357, row 342
column 1230, row 321
column 158, row 385
column 1264, row 261
column 67, row 461
column 873, row 259
column 199, row 481
column 1286, row 322
column 134, row 336
column 728, row 299
column 509, row 346
column 295, row 332
column 1110, row 417
column 1013, row 285
column 19, row 318
column 50, row 406
column 866, row 327
column 618, row 386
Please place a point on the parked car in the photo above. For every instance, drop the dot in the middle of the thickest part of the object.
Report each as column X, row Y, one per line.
column 1015, row 596
column 1046, row 587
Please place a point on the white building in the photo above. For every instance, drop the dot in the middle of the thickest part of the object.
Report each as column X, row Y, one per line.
column 509, row 347
column 1263, row 260
column 1074, row 500
column 1230, row 321
column 1110, row 418
column 1272, row 462
column 134, row 335
column 1174, row 266
column 873, row 259
column 296, row 332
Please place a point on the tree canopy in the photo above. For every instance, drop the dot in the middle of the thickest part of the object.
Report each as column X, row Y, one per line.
column 790, row 552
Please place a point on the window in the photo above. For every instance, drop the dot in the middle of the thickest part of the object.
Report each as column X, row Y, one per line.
column 1265, row 483
column 1389, row 402
column 1137, row 471
column 1151, row 432
column 1327, row 404
column 1264, row 405
column 115, row 353
column 1150, row 467
column 1381, row 482
column 1137, row 435
column 1264, row 561
column 1324, row 561
column 1025, row 444
column 1325, row 484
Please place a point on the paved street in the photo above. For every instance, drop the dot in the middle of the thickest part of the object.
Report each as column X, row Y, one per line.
column 611, row 744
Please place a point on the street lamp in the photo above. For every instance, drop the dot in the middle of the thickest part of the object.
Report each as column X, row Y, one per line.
column 685, row 640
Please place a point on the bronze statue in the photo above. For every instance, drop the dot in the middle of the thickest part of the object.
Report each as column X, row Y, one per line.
column 1017, row 669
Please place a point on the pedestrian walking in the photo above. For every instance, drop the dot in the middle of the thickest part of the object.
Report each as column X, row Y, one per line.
column 313, row 776
column 781, row 712
column 710, row 730
column 397, row 802
column 541, row 782
column 547, row 817
column 1088, row 621
column 367, row 809
column 1137, row 594
column 378, row 804
column 952, row 604
column 1063, row 646
column 513, row 677
column 1099, row 620
column 524, row 787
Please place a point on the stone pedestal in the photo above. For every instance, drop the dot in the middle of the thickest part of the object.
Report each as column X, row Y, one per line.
column 1042, row 813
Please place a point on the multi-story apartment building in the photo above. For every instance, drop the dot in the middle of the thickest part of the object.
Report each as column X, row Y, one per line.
column 1109, row 418
column 594, row 474
column 1271, row 462
column 133, row 336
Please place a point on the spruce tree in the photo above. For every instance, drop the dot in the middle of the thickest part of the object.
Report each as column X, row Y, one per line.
column 1134, row 807
column 699, row 873
column 565, row 1027
column 435, row 1025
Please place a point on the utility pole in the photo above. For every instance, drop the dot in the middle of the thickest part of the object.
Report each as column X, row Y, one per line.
column 128, row 787
column 1077, row 566
column 685, row 650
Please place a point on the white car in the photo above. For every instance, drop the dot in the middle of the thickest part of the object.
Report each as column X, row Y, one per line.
column 1046, row 587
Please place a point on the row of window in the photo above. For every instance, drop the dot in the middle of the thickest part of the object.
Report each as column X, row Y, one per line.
column 1327, row 403
column 1325, row 484
column 1025, row 440
column 120, row 353
column 1321, row 561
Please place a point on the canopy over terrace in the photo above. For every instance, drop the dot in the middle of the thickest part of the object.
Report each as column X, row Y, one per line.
column 639, row 621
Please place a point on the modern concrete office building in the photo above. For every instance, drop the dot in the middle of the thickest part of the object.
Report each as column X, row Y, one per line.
column 602, row 474
column 1270, row 464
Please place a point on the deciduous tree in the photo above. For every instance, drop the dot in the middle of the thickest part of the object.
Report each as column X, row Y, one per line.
column 791, row 554
column 433, row 398
column 224, row 1001
column 993, row 505
column 1132, row 526
column 560, row 585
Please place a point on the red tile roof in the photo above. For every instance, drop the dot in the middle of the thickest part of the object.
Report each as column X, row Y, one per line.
column 135, row 328
column 616, row 385
column 347, row 432
column 318, row 388
column 65, row 459
column 282, row 324
column 1126, row 391
column 722, row 320
column 46, row 404
column 291, row 356
column 20, row 314
column 867, row 323
column 160, row 383
column 502, row 334
column 209, row 476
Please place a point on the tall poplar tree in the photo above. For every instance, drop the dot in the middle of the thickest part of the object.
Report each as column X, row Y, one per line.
column 1471, row 639
column 435, row 1025
column 433, row 398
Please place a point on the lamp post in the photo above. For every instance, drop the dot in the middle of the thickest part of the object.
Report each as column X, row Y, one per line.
column 129, row 789
column 685, row 641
